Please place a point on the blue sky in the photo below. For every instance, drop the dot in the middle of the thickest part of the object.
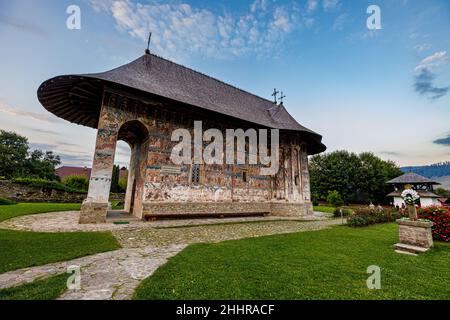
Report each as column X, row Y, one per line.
column 385, row 91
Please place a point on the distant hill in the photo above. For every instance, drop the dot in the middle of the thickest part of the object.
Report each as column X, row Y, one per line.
column 435, row 170
column 444, row 181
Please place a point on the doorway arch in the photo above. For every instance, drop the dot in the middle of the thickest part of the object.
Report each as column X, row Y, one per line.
column 136, row 134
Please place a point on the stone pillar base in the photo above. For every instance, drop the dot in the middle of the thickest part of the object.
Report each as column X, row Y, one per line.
column 415, row 234
column 286, row 209
column 92, row 212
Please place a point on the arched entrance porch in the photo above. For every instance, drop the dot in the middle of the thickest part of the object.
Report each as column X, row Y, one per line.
column 136, row 135
column 96, row 206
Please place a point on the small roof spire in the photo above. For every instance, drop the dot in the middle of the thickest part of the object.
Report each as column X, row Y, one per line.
column 274, row 95
column 147, row 51
column 282, row 97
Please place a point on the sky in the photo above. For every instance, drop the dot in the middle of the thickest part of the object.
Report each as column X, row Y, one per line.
column 386, row 91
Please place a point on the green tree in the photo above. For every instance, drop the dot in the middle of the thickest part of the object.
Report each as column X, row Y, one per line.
column 442, row 192
column 338, row 171
column 17, row 161
column 335, row 199
column 78, row 182
column 42, row 165
column 123, row 184
column 115, row 179
column 13, row 154
column 357, row 178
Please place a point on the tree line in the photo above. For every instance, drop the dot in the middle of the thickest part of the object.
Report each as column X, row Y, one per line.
column 358, row 178
column 17, row 160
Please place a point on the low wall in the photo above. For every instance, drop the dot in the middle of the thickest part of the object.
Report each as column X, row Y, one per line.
column 23, row 193
column 274, row 208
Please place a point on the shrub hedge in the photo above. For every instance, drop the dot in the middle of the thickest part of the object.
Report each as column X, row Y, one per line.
column 46, row 184
column 440, row 216
column 6, row 202
column 364, row 217
column 77, row 182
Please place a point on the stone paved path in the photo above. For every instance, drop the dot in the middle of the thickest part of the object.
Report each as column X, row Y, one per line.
column 104, row 276
column 146, row 246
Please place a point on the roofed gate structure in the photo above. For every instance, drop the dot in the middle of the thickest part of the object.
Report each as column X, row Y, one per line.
column 422, row 185
column 142, row 103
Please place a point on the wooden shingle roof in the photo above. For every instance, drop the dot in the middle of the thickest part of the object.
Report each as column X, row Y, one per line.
column 77, row 98
column 411, row 178
column 422, row 194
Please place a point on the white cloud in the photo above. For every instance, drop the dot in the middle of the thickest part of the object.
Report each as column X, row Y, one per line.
column 179, row 27
column 432, row 61
column 312, row 5
column 422, row 47
column 340, row 22
column 258, row 5
column 330, row 4
column 24, row 113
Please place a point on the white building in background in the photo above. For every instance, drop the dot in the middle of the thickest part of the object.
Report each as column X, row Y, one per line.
column 422, row 185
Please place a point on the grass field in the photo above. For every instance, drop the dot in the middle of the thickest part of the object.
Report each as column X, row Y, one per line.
column 327, row 264
column 325, row 209
column 21, row 209
column 46, row 289
column 25, row 249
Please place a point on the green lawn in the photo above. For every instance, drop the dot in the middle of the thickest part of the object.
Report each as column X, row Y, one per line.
column 21, row 209
column 327, row 264
column 325, row 209
column 25, row 249
column 46, row 289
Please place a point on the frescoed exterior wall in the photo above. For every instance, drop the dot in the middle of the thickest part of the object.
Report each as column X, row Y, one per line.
column 157, row 186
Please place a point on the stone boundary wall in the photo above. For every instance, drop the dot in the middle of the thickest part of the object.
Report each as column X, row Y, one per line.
column 23, row 193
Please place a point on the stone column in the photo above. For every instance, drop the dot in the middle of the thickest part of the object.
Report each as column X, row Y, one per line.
column 292, row 172
column 95, row 207
column 131, row 177
column 305, row 176
column 300, row 176
column 285, row 174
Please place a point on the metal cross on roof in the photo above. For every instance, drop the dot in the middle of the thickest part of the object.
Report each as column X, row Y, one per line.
column 147, row 51
column 282, row 97
column 274, row 95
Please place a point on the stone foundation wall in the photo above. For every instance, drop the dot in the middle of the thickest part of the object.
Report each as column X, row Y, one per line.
column 24, row 193
column 277, row 209
column 291, row 209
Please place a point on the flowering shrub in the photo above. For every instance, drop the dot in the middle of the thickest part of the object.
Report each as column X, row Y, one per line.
column 364, row 216
column 440, row 217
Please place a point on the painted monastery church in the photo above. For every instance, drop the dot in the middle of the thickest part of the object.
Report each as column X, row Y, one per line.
column 142, row 103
